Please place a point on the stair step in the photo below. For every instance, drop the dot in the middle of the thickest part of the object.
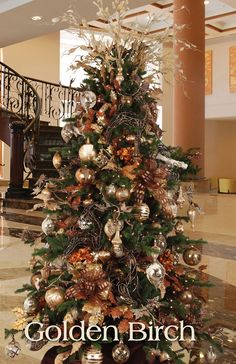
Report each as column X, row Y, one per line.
column 50, row 129
column 49, row 172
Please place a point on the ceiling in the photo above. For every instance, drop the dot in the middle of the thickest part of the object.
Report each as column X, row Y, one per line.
column 16, row 24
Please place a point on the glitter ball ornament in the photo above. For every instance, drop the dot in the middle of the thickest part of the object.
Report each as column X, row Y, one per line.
column 54, row 297
column 30, row 305
column 85, row 175
column 186, row 296
column 12, row 349
column 67, row 133
column 192, row 256
column 57, row 160
column 88, row 99
column 211, row 355
column 122, row 194
column 120, row 353
column 110, row 191
column 179, row 228
column 92, row 356
column 47, row 225
column 141, row 212
column 87, row 152
column 155, row 274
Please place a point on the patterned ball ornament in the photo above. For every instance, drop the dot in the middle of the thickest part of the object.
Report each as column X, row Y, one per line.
column 92, row 356
column 85, row 176
column 155, row 274
column 141, row 212
column 30, row 305
column 192, row 256
column 67, row 133
column 13, row 349
column 54, row 297
column 120, row 353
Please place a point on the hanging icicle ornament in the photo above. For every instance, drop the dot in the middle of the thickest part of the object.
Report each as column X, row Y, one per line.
column 180, row 199
column 192, row 215
column 155, row 274
column 117, row 245
column 48, row 225
column 211, row 355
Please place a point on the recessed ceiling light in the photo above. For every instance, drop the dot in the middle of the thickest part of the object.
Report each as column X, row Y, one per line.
column 36, row 18
column 206, row 2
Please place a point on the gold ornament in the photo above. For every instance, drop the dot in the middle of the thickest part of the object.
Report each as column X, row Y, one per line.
column 92, row 355
column 54, row 297
column 85, row 175
column 35, row 280
column 155, row 274
column 103, row 294
column 57, row 160
column 179, row 228
column 180, row 199
column 110, row 191
column 164, row 356
column 12, row 349
column 119, row 77
column 45, row 194
column 197, row 356
column 187, row 343
column 87, row 202
column 122, row 194
column 102, row 255
column 30, row 305
column 127, row 100
column 111, row 226
column 87, row 152
column 186, row 297
column 120, row 353
column 141, row 212
column 192, row 256
column 47, row 225
column 192, row 216
column 88, row 99
column 117, row 246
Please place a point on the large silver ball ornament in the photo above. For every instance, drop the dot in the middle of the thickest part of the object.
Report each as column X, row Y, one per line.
column 192, row 256
column 120, row 353
column 88, row 99
column 141, row 212
column 47, row 225
column 92, row 356
column 155, row 273
column 87, row 152
column 30, row 305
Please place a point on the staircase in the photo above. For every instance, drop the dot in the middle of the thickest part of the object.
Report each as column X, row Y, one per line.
column 30, row 114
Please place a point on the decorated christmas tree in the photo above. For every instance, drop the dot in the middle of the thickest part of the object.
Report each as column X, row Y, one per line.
column 107, row 262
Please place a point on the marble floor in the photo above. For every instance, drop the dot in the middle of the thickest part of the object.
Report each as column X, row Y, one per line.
column 216, row 224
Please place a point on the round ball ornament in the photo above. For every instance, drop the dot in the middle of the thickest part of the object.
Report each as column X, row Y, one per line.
column 36, row 279
column 122, row 194
column 110, row 191
column 13, row 349
column 179, row 228
column 67, row 133
column 141, row 212
column 160, row 243
column 85, row 176
column 54, row 297
column 47, row 225
column 120, row 353
column 192, row 256
column 186, row 297
column 88, row 99
column 92, row 356
column 155, row 273
column 57, row 160
column 87, row 152
column 30, row 305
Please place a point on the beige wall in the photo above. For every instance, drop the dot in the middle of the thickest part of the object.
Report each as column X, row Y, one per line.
column 220, row 148
column 37, row 58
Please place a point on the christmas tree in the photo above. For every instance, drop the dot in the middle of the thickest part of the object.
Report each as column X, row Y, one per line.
column 113, row 233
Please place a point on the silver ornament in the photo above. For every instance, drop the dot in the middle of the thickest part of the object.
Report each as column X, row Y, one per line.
column 110, row 191
column 30, row 305
column 87, row 152
column 180, row 199
column 192, row 216
column 120, row 353
column 88, row 99
column 211, row 355
column 48, row 225
column 179, row 228
column 92, row 356
column 141, row 212
column 84, row 223
column 67, row 133
column 12, row 349
column 155, row 274
column 192, row 256
column 160, row 243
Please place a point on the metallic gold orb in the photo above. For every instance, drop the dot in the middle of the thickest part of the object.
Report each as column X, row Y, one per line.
column 120, row 353
column 110, row 190
column 122, row 194
column 87, row 202
column 92, row 356
column 54, row 297
column 164, row 356
column 57, row 160
column 87, row 152
column 127, row 100
column 35, row 279
column 186, row 297
column 85, row 175
column 141, row 212
column 192, row 256
column 30, row 305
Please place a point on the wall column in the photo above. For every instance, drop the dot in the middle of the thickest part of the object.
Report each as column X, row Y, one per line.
column 189, row 94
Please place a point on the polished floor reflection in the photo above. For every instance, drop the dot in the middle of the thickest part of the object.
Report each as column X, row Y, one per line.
column 216, row 224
